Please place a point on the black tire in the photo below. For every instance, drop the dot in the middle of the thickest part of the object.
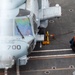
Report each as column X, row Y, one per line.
column 73, row 48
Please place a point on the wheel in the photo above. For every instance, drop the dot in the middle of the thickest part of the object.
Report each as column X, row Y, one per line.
column 73, row 48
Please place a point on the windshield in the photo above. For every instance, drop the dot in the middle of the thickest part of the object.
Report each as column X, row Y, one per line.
column 23, row 27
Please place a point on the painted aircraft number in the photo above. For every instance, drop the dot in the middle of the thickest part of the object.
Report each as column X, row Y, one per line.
column 14, row 47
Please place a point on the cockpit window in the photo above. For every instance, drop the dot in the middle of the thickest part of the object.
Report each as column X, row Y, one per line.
column 23, row 26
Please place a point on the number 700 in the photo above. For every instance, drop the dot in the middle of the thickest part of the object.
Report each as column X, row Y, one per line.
column 14, row 47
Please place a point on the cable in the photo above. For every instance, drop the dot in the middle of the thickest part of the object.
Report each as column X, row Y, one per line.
column 65, row 33
column 61, row 35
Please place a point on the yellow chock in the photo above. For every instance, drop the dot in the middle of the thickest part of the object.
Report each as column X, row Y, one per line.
column 47, row 41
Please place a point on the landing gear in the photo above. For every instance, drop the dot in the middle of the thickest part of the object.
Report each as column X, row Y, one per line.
column 73, row 48
column 40, row 44
column 72, row 42
column 41, row 32
column 6, row 72
column 17, row 68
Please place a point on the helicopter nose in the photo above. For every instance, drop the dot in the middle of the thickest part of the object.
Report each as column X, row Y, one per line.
column 6, row 61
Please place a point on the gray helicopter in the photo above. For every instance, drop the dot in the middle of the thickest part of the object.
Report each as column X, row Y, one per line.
column 19, row 26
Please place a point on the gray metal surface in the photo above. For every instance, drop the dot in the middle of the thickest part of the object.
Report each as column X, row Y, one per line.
column 57, row 72
column 51, row 53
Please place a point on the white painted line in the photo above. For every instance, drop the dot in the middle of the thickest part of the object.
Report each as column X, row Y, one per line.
column 51, row 50
column 52, row 56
